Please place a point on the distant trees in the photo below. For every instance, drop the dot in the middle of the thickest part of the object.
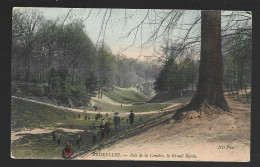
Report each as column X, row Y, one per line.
column 59, row 57
column 25, row 26
column 237, row 55
column 177, row 76
column 52, row 52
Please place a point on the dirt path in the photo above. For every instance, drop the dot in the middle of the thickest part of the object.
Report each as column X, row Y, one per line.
column 15, row 135
column 225, row 137
column 92, row 112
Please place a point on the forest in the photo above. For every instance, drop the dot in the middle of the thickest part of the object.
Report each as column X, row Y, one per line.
column 59, row 60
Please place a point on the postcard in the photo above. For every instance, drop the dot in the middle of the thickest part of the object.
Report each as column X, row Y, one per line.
column 131, row 84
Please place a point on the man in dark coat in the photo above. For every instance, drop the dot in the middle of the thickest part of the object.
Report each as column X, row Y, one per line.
column 131, row 117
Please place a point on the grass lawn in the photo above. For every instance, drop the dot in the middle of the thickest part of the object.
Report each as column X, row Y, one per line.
column 126, row 95
column 130, row 100
column 32, row 115
column 40, row 146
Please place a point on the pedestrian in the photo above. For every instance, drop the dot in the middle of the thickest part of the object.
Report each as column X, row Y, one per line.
column 102, row 128
column 86, row 117
column 67, row 152
column 70, row 103
column 79, row 140
column 131, row 117
column 53, row 136
column 74, row 116
column 116, row 122
column 106, row 114
column 79, row 116
column 94, row 134
column 107, row 127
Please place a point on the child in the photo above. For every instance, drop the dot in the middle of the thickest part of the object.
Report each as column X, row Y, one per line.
column 67, row 152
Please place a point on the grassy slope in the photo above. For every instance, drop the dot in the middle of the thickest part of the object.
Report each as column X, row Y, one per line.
column 31, row 115
column 126, row 95
column 112, row 100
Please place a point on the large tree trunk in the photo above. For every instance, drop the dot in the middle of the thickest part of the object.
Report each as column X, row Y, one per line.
column 209, row 93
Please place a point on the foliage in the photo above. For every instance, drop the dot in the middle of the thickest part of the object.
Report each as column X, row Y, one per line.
column 237, row 59
column 176, row 76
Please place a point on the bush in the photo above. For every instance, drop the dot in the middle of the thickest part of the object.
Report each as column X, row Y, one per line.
column 36, row 90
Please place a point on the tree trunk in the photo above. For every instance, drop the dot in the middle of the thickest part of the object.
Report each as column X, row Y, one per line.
column 209, row 91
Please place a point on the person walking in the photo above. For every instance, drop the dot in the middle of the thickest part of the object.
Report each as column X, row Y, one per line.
column 102, row 128
column 79, row 140
column 107, row 127
column 116, row 122
column 94, row 134
column 131, row 117
column 70, row 103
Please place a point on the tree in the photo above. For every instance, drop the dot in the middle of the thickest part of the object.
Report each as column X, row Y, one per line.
column 105, row 66
column 209, row 94
column 24, row 32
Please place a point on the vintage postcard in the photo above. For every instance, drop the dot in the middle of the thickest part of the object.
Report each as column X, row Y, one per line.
column 131, row 84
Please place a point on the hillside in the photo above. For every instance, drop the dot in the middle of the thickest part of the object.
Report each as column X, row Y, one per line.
column 33, row 119
column 126, row 95
column 224, row 137
column 124, row 100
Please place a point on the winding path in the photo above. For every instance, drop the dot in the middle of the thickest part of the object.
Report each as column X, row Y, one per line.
column 94, row 112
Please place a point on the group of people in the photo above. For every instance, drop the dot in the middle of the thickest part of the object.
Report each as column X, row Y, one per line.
column 104, row 128
column 117, row 119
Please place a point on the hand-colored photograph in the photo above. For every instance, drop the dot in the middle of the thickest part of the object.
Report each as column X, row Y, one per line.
column 131, row 84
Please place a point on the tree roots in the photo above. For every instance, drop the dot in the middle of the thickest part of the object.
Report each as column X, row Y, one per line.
column 205, row 110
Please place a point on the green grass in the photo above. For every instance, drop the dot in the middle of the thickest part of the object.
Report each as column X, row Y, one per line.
column 126, row 95
column 144, row 107
column 40, row 146
column 130, row 100
column 32, row 115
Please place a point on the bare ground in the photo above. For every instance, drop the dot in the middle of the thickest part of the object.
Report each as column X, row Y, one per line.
column 224, row 137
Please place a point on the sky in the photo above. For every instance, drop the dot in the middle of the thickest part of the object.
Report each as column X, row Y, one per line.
column 118, row 23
